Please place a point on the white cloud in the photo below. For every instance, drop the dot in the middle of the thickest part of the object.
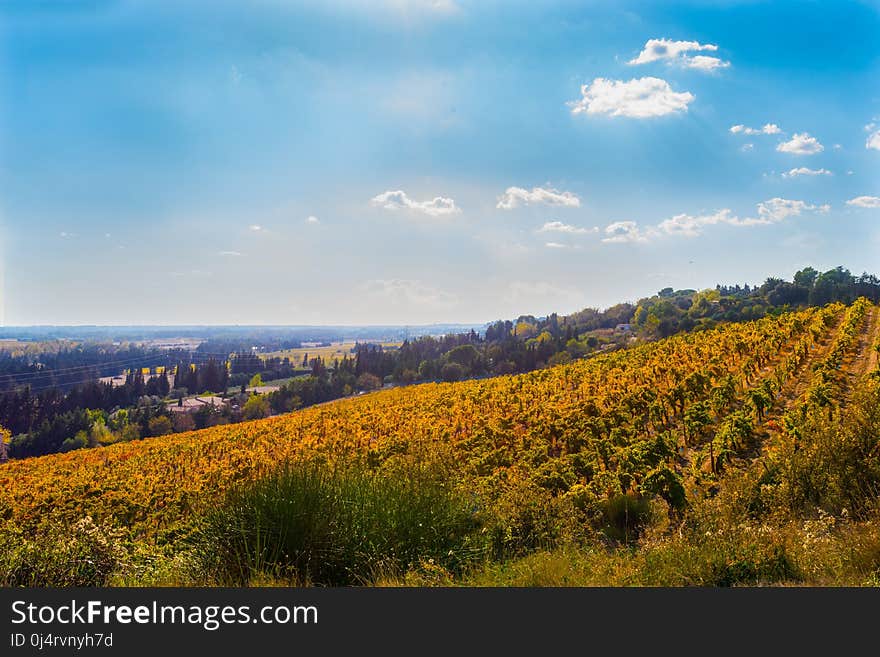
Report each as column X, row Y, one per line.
column 801, row 144
column 555, row 245
column 704, row 63
column 398, row 200
column 745, row 148
column 691, row 226
column 638, row 98
column 777, row 209
column 559, row 227
column 626, row 231
column 767, row 129
column 873, row 141
column 865, row 201
column 312, row 219
column 771, row 211
column 676, row 52
column 805, row 171
column 255, row 228
column 406, row 292
column 514, row 196
column 230, row 253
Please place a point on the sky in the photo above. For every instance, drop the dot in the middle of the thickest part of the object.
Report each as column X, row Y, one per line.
column 418, row 161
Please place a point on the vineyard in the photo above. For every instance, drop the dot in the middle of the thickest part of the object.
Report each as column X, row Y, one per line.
column 664, row 421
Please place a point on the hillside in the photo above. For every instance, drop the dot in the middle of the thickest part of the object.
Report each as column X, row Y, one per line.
column 667, row 422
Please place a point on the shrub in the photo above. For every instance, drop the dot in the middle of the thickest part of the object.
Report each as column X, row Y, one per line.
column 310, row 522
column 160, row 425
column 625, row 516
column 84, row 554
column 452, row 372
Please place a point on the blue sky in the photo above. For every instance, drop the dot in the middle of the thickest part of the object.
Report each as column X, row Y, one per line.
column 413, row 161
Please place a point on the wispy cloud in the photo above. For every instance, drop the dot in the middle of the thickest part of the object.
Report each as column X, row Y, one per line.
column 704, row 63
column 806, row 171
column 766, row 129
column 543, row 295
column 409, row 293
column 873, row 140
column 312, row 219
column 398, row 200
column 688, row 225
column 801, row 144
column 515, row 196
column 677, row 52
column 255, row 228
column 638, row 98
column 865, row 201
column 771, row 211
column 230, row 253
column 559, row 227
column 555, row 245
column 777, row 209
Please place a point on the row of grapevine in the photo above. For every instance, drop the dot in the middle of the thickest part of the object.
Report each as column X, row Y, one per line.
column 596, row 428
column 825, row 387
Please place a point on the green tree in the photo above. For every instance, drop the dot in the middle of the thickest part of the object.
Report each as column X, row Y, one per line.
column 452, row 372
column 806, row 277
column 256, row 407
column 160, row 425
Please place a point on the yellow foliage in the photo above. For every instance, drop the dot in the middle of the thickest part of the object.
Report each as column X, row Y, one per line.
column 560, row 427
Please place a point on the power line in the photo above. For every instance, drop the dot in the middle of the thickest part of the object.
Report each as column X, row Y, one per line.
column 74, row 369
column 25, row 376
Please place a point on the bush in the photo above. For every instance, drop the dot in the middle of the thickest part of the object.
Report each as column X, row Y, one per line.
column 84, row 554
column 624, row 517
column 313, row 523
column 524, row 517
column 833, row 463
column 746, row 555
column 367, row 381
column 160, row 425
column 452, row 372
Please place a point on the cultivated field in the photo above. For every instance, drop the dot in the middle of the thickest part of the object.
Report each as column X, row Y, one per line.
column 665, row 423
